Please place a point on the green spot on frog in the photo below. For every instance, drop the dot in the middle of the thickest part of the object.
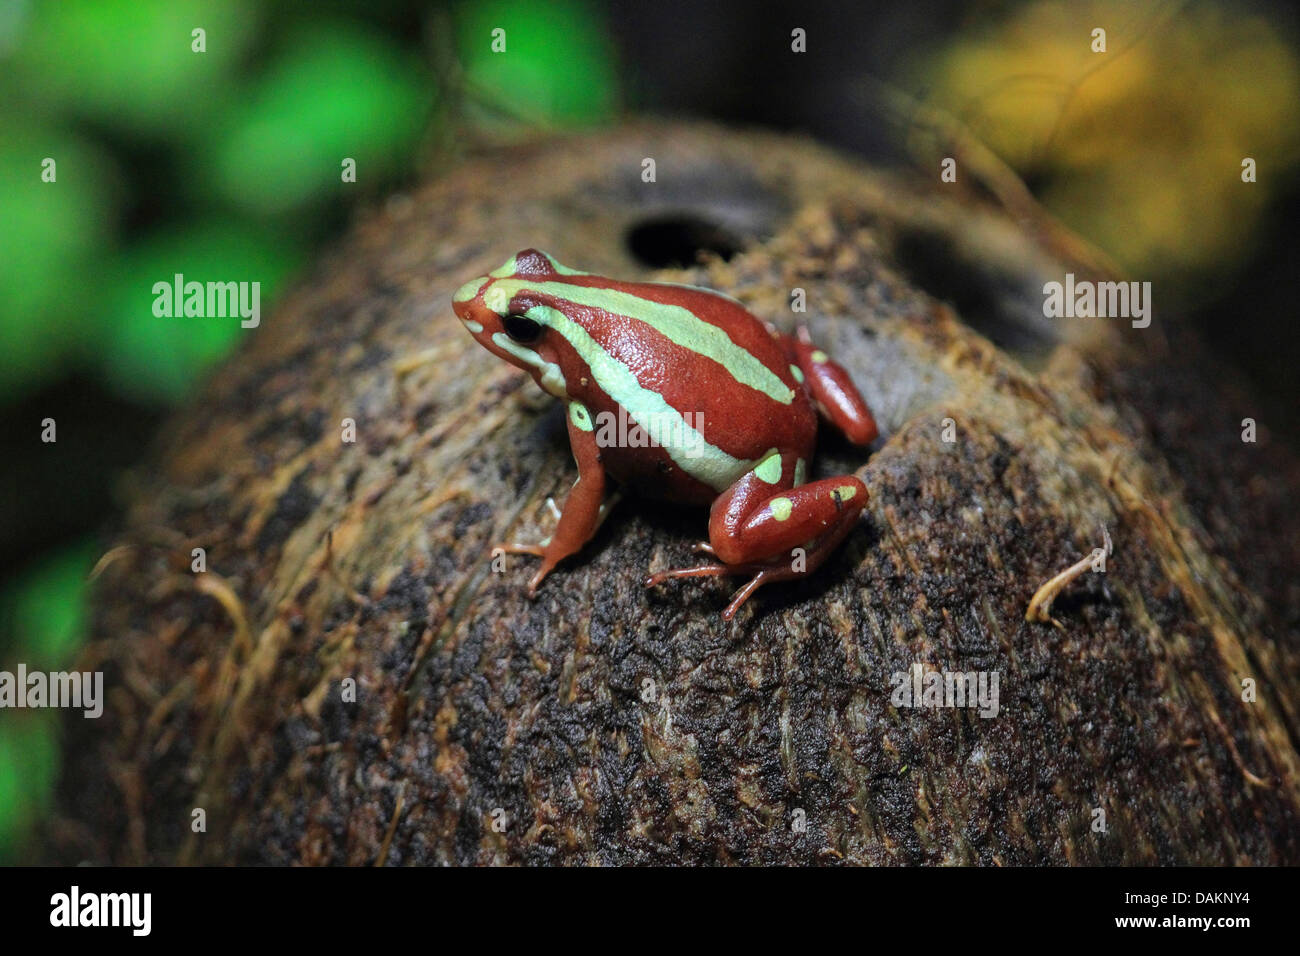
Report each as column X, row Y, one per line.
column 769, row 469
column 579, row 415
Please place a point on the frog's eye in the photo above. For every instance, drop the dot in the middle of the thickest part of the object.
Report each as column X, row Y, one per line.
column 521, row 328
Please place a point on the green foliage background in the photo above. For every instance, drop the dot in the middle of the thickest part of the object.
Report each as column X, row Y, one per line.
column 223, row 164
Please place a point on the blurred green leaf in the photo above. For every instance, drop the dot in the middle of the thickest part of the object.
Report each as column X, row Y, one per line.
column 160, row 358
column 50, row 231
column 557, row 67
column 12, row 802
column 338, row 92
column 29, row 758
column 45, row 610
column 130, row 62
column 47, row 607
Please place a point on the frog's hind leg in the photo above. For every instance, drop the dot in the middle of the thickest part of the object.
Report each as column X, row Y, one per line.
column 832, row 389
column 818, row 551
column 757, row 525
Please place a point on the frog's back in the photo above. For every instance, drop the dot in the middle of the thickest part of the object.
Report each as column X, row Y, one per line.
column 699, row 353
column 700, row 373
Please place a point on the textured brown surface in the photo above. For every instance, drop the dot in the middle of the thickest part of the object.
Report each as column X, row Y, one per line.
column 368, row 561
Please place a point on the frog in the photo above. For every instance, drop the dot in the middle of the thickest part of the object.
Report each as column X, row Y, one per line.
column 678, row 393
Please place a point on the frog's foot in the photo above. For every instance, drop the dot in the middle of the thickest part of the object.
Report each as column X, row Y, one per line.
column 762, row 574
column 537, row 551
column 763, row 571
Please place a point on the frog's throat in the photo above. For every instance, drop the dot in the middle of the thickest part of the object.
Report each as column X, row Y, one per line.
column 549, row 375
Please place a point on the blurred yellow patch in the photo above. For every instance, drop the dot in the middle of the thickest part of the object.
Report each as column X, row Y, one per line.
column 1139, row 148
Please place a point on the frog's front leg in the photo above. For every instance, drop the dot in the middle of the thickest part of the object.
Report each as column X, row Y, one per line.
column 755, row 525
column 584, row 509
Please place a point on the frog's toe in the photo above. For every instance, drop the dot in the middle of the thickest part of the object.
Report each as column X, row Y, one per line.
column 702, row 571
column 514, row 547
column 536, row 581
column 743, row 595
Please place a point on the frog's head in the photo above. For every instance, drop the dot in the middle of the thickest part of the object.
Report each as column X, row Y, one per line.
column 506, row 312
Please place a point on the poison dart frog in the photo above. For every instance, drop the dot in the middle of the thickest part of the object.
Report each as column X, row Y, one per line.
column 722, row 411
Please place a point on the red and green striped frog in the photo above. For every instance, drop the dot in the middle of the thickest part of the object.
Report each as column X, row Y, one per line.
column 679, row 393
